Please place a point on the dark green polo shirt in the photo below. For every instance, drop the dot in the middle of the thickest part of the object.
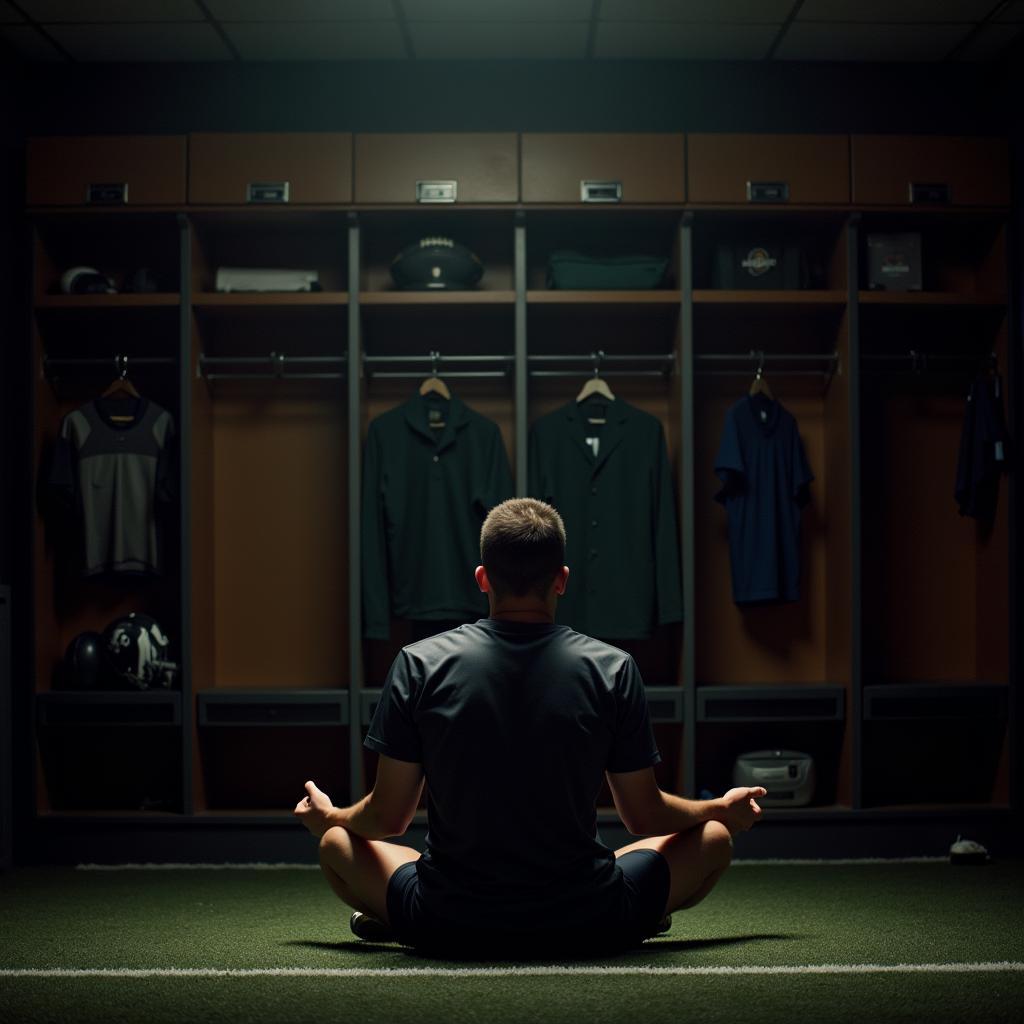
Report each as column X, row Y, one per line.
column 426, row 493
column 618, row 506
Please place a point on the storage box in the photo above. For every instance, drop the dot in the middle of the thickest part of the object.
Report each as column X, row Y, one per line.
column 894, row 262
column 761, row 264
column 567, row 269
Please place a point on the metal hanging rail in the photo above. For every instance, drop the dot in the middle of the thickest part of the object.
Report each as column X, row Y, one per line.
column 596, row 359
column 279, row 364
column 757, row 359
column 434, row 359
column 923, row 362
column 119, row 363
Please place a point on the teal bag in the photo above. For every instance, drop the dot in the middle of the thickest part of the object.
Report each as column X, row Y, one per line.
column 573, row 270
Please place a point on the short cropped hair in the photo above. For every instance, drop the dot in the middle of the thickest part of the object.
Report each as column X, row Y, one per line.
column 522, row 547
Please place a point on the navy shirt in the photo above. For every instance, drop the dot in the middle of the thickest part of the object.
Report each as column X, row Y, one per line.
column 515, row 725
column 765, row 478
column 984, row 450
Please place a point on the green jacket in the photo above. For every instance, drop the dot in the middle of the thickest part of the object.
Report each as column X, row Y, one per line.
column 622, row 543
column 426, row 493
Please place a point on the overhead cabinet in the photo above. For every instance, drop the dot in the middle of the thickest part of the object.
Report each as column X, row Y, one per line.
column 267, row 168
column 606, row 168
column 106, row 170
column 454, row 167
column 929, row 170
column 768, row 169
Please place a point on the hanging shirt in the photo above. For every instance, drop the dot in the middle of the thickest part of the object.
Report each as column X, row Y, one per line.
column 612, row 486
column 426, row 492
column 984, row 450
column 112, row 472
column 515, row 724
column 765, row 479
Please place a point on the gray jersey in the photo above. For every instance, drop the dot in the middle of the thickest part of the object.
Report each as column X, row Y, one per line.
column 111, row 468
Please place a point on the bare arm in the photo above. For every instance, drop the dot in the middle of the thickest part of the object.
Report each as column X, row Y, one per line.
column 383, row 813
column 647, row 810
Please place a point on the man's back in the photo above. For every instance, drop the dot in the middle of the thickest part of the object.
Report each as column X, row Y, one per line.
column 515, row 725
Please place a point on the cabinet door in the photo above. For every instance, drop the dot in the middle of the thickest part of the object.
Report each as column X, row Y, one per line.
column 269, row 168
column 134, row 170
column 625, row 168
column 949, row 170
column 468, row 167
column 768, row 168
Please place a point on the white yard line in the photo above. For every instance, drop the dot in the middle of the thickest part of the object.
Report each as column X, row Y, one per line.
column 526, row 971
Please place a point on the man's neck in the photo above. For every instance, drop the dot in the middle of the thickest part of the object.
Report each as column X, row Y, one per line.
column 526, row 614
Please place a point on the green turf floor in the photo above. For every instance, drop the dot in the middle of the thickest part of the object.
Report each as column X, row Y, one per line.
column 759, row 916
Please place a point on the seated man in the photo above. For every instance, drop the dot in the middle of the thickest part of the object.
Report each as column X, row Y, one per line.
column 514, row 722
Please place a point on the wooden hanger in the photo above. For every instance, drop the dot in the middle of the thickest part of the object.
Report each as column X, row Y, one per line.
column 121, row 383
column 760, row 385
column 595, row 385
column 433, row 384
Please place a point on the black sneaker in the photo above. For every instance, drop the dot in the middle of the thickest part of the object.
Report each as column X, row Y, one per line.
column 369, row 928
column 663, row 925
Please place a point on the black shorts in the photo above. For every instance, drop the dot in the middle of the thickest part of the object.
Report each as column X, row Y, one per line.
column 644, row 880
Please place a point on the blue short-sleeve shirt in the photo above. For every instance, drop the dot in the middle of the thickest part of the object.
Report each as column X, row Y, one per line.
column 765, row 478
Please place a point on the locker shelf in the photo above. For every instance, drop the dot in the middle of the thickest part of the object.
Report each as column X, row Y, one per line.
column 273, row 708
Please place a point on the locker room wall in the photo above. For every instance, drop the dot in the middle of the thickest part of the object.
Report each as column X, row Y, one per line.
column 515, row 96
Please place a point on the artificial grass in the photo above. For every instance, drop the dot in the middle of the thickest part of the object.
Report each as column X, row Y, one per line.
column 758, row 915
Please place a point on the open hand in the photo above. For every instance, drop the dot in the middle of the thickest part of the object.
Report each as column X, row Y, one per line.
column 314, row 809
column 738, row 809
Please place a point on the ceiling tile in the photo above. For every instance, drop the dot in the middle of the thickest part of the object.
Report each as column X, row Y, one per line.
column 991, row 41
column 498, row 10
column 754, row 11
column 498, row 40
column 30, row 43
column 819, row 41
column 352, row 40
column 112, row 10
column 1013, row 11
column 184, row 42
column 301, row 10
column 676, row 41
column 895, row 11
column 8, row 15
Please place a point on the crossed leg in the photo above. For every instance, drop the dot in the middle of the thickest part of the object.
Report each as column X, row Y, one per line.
column 358, row 870
column 697, row 858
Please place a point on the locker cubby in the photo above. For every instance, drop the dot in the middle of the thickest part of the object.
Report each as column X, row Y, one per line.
column 806, row 642
column 125, row 766
column 720, row 743
column 270, row 239
column 263, row 769
column 465, row 337
column 936, row 584
column 95, row 749
column 936, row 744
column 963, row 256
column 601, row 234
column 115, row 245
column 488, row 235
column 819, row 238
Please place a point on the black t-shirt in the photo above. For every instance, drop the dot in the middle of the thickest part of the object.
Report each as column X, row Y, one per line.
column 515, row 725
